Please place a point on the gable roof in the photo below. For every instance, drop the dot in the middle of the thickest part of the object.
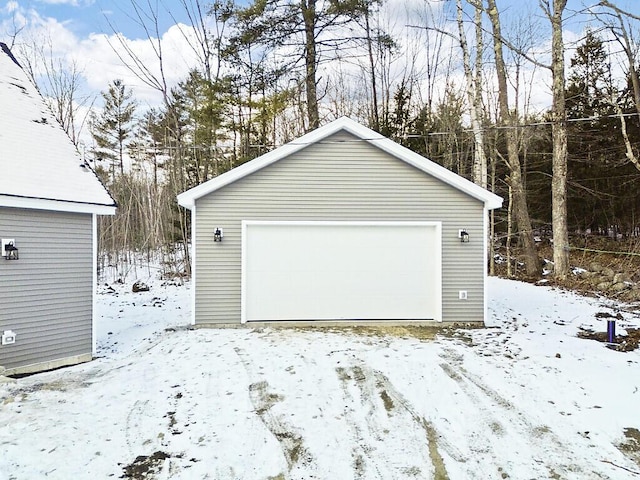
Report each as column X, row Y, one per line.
column 187, row 199
column 39, row 165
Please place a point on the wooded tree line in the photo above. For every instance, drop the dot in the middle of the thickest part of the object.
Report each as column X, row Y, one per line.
column 453, row 83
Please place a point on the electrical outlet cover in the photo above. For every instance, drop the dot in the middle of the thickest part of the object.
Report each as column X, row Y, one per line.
column 8, row 337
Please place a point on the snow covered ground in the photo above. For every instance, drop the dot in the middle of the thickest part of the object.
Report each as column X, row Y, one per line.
column 525, row 399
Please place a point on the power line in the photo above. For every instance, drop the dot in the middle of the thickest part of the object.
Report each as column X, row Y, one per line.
column 414, row 135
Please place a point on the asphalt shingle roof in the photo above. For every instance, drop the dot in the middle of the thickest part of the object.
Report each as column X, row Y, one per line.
column 37, row 158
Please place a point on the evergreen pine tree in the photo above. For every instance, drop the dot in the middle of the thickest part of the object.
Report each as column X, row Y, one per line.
column 112, row 128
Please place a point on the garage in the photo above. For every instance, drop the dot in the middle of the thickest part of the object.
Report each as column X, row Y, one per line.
column 340, row 226
column 326, row 271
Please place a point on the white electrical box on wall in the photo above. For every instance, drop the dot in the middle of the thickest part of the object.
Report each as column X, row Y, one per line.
column 462, row 295
column 8, row 337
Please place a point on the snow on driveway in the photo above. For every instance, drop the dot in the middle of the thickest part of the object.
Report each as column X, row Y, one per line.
column 525, row 399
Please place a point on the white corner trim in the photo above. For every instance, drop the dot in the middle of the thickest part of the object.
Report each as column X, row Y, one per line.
column 94, row 286
column 192, row 251
column 438, row 226
column 485, row 256
column 243, row 271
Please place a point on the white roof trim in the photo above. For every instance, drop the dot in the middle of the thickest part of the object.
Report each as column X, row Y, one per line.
column 187, row 199
column 55, row 205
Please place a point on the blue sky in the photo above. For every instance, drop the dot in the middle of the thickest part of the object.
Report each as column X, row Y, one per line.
column 84, row 17
column 88, row 16
column 80, row 32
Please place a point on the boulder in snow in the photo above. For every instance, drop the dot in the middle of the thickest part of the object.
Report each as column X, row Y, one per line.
column 139, row 286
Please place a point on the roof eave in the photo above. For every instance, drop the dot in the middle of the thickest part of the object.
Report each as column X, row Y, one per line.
column 56, row 205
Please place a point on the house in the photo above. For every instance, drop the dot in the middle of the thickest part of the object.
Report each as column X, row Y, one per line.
column 341, row 224
column 49, row 200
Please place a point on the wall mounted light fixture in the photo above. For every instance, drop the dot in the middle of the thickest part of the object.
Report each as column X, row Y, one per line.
column 218, row 234
column 9, row 249
column 463, row 235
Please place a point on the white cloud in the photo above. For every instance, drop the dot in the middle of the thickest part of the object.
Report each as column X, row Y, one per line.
column 10, row 7
column 73, row 3
column 96, row 56
column 103, row 56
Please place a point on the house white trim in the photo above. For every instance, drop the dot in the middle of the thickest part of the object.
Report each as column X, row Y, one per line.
column 55, row 205
column 194, row 266
column 94, row 286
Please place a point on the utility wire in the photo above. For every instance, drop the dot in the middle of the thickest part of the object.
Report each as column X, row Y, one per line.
column 634, row 254
column 413, row 135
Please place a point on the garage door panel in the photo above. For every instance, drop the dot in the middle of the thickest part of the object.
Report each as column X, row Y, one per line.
column 332, row 271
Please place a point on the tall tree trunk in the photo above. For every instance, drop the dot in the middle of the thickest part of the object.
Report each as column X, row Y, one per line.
column 372, row 72
column 475, row 110
column 520, row 209
column 309, row 15
column 480, row 167
column 559, row 138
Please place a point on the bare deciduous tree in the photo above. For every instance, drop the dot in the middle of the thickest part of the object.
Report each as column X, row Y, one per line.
column 60, row 83
column 521, row 211
column 474, row 90
column 554, row 12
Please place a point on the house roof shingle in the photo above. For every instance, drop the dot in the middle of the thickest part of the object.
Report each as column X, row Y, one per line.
column 39, row 165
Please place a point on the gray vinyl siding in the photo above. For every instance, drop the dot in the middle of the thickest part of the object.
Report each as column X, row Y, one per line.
column 47, row 297
column 338, row 179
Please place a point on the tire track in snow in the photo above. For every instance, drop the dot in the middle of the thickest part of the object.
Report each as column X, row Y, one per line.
column 133, row 424
column 292, row 443
column 387, row 414
column 514, row 418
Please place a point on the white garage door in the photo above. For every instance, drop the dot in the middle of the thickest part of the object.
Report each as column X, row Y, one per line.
column 340, row 270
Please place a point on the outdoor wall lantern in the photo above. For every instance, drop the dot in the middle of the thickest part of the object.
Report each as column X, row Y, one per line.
column 463, row 235
column 217, row 234
column 9, row 249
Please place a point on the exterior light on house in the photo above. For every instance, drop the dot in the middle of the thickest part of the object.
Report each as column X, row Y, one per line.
column 463, row 235
column 9, row 249
column 217, row 234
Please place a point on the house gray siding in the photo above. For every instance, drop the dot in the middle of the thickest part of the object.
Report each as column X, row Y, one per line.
column 338, row 179
column 47, row 297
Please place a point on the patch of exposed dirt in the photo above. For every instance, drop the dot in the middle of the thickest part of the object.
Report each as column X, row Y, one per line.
column 421, row 332
column 22, row 393
column 440, row 472
column 631, row 445
column 292, row 443
column 386, row 400
column 621, row 343
column 262, row 399
column 145, row 467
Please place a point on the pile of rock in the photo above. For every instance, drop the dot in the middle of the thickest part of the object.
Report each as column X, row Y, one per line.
column 605, row 279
